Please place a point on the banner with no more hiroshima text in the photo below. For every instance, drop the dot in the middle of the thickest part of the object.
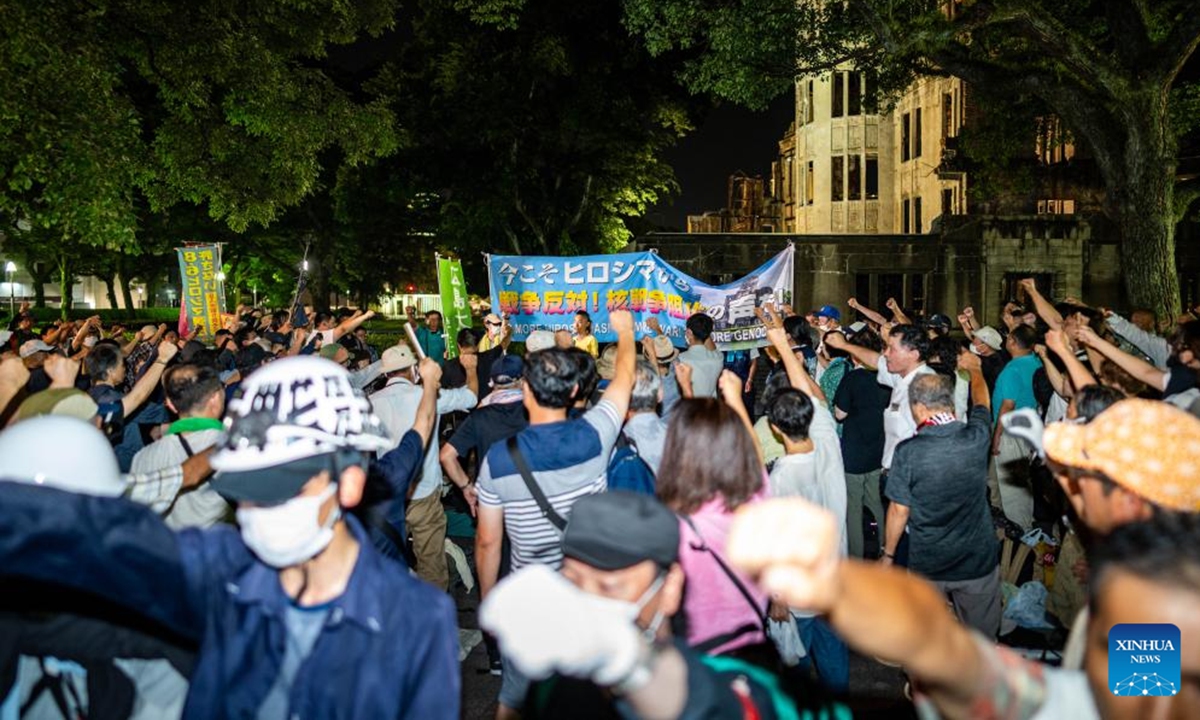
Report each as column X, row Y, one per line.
column 544, row 293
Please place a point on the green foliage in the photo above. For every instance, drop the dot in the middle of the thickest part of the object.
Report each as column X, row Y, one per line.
column 226, row 106
column 540, row 130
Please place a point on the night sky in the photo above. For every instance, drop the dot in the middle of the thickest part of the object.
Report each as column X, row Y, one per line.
column 729, row 139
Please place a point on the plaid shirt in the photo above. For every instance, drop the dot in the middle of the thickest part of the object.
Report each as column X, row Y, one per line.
column 156, row 490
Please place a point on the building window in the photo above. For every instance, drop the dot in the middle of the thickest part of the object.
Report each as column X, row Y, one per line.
column 905, row 209
column 948, row 201
column 1056, row 207
column 1012, row 288
column 839, row 94
column 872, row 190
column 917, row 135
column 837, row 180
column 905, row 136
column 855, row 177
column 918, row 227
column 854, row 81
column 808, row 112
column 808, row 184
column 947, row 114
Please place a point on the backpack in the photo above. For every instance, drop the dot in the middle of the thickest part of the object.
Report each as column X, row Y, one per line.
column 627, row 470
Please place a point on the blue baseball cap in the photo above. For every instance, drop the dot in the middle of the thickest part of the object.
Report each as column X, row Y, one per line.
column 829, row 311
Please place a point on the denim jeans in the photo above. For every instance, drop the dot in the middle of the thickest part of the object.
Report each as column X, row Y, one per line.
column 828, row 651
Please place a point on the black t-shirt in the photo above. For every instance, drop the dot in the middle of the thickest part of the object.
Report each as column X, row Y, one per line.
column 488, row 425
column 864, row 401
column 992, row 365
column 1180, row 378
column 454, row 375
column 941, row 475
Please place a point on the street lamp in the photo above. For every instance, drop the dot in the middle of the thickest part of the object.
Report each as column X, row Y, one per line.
column 142, row 296
column 9, row 268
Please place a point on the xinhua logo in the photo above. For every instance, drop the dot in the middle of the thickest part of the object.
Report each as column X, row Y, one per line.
column 1143, row 660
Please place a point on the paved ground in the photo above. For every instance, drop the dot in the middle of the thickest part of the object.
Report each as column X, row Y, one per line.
column 876, row 691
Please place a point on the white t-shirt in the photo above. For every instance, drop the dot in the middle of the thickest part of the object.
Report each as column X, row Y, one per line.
column 898, row 421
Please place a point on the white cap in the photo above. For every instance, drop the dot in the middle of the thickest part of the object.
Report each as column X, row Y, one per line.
column 539, row 340
column 33, row 347
column 32, row 452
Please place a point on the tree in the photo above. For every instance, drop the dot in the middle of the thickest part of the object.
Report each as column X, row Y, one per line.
column 1109, row 68
column 226, row 106
column 538, row 129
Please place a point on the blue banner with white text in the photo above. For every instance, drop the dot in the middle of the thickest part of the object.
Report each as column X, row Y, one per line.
column 544, row 293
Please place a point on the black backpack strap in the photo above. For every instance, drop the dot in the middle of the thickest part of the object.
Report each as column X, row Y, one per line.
column 535, row 490
column 187, row 447
column 760, row 612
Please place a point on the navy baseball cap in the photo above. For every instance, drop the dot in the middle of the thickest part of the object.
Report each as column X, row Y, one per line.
column 507, row 370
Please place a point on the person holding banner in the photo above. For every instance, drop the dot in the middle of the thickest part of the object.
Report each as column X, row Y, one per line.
column 430, row 337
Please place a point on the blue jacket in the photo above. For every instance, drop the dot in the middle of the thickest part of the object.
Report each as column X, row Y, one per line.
column 389, row 648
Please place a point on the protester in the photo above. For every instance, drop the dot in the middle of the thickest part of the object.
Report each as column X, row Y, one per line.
column 431, row 336
column 812, row 469
column 582, row 336
column 528, row 485
column 301, row 570
column 195, row 394
column 712, row 468
column 898, row 365
column 1145, row 573
column 1014, row 390
column 659, row 351
column 499, row 416
column 65, row 654
column 706, row 365
column 644, row 430
column 120, row 410
column 1130, row 463
column 938, row 493
column 599, row 639
column 396, row 405
column 859, row 405
column 497, row 332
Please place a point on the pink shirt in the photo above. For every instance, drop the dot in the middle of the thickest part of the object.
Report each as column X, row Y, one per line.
column 713, row 603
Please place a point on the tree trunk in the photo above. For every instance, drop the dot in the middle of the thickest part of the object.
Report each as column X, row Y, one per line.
column 39, row 293
column 1142, row 201
column 126, row 294
column 66, row 283
column 111, row 292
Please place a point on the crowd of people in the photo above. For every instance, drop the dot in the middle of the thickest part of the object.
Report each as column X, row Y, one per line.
column 259, row 524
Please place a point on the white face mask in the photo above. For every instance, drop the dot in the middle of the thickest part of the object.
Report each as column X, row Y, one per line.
column 632, row 610
column 289, row 533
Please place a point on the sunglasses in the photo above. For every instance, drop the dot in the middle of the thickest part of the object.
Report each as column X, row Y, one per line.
column 489, row 323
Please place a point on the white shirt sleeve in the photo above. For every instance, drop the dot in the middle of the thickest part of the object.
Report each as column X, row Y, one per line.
column 455, row 400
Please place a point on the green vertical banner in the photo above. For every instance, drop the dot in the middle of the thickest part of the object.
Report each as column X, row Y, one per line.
column 456, row 311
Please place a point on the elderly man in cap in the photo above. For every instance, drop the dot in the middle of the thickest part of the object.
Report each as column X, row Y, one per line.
column 598, row 637
column 296, row 614
column 661, row 353
column 1134, row 461
column 499, row 416
column 396, row 404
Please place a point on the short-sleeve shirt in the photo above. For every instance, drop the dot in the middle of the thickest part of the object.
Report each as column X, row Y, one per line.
column 433, row 344
column 706, row 369
column 864, row 401
column 1179, row 379
column 488, row 425
column 898, row 421
column 1016, row 383
column 941, row 475
column 568, row 459
column 588, row 344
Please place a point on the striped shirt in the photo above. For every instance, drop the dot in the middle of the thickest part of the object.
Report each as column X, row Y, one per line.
column 569, row 460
